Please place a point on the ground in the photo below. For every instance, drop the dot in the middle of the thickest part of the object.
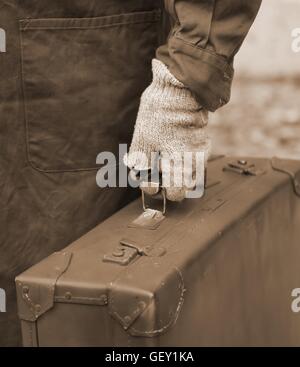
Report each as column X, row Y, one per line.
column 263, row 117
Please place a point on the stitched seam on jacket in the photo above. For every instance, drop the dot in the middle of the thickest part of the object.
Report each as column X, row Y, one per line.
column 31, row 163
column 90, row 23
column 152, row 16
column 223, row 64
column 88, row 27
column 210, row 26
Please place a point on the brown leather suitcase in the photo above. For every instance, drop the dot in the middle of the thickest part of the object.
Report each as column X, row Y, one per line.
column 218, row 270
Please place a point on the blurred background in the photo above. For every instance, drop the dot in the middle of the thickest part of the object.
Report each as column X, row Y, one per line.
column 263, row 116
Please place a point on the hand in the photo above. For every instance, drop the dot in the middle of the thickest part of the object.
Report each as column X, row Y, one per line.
column 172, row 123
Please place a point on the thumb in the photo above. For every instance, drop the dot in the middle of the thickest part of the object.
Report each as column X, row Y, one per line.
column 144, row 169
column 139, row 160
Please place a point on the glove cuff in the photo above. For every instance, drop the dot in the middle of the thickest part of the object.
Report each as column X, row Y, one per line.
column 162, row 75
column 169, row 94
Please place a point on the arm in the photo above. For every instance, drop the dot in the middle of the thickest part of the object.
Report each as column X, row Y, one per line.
column 203, row 42
column 193, row 74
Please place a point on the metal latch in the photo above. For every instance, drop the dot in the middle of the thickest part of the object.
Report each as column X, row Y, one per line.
column 150, row 218
column 243, row 167
column 128, row 250
column 122, row 255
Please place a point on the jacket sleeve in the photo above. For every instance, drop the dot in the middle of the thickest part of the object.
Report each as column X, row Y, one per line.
column 205, row 36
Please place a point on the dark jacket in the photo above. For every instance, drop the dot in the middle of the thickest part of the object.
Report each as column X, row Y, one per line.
column 71, row 80
column 203, row 42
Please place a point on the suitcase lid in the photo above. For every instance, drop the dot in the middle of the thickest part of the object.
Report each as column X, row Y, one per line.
column 146, row 294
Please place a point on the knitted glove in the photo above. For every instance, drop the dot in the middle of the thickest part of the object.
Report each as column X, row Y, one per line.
column 169, row 122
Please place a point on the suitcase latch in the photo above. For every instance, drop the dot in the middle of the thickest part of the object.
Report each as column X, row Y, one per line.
column 151, row 218
column 128, row 250
column 243, row 167
column 122, row 255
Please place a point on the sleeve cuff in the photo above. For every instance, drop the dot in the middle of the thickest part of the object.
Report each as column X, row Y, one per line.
column 208, row 75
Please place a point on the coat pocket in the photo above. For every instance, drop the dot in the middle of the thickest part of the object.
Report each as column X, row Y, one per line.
column 82, row 80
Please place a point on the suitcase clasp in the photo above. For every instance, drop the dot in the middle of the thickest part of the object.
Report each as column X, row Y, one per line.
column 128, row 250
column 151, row 218
column 243, row 167
column 122, row 255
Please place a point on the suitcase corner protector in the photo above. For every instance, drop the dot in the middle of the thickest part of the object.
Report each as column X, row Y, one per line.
column 36, row 297
column 146, row 313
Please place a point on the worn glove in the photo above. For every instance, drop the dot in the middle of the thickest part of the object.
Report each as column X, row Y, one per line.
column 170, row 122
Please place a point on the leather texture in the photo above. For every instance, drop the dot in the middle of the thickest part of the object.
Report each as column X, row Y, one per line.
column 217, row 271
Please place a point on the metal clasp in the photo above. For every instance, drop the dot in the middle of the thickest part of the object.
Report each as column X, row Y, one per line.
column 128, row 250
column 164, row 197
column 151, row 218
column 122, row 255
column 243, row 167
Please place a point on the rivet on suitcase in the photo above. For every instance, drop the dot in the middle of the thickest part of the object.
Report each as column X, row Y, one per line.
column 215, row 271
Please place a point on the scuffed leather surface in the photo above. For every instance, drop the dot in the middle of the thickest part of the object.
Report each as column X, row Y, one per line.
column 232, row 255
column 78, row 104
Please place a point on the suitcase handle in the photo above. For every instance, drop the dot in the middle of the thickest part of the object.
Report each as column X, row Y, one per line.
column 160, row 195
column 275, row 163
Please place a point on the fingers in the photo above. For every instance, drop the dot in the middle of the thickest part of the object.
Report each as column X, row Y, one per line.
column 150, row 188
column 180, row 173
column 138, row 160
column 183, row 173
column 176, row 193
column 144, row 170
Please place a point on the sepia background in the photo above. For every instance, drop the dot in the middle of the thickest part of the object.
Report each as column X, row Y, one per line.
column 263, row 117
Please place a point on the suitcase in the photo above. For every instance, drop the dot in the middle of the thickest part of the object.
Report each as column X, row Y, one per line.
column 215, row 271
